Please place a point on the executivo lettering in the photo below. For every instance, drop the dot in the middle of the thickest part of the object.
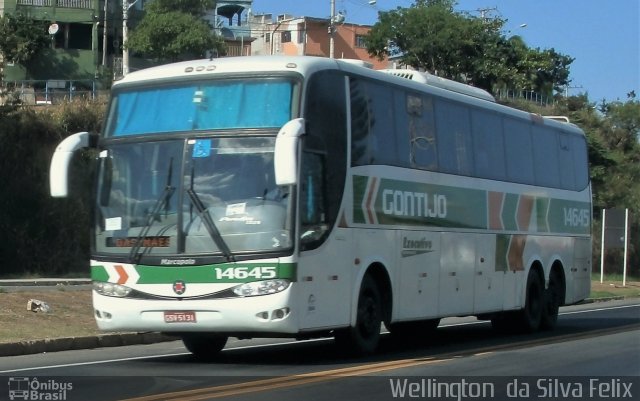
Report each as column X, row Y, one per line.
column 412, row 247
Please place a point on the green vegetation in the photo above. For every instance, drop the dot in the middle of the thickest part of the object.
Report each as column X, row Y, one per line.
column 40, row 235
column 21, row 39
column 431, row 36
column 175, row 30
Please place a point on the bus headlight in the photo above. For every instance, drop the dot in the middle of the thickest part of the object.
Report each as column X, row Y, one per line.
column 265, row 287
column 111, row 289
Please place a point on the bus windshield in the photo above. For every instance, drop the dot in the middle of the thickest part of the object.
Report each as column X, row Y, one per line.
column 190, row 196
column 208, row 105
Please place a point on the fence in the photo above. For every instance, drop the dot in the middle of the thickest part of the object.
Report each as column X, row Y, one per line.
column 85, row 4
column 37, row 92
column 526, row 95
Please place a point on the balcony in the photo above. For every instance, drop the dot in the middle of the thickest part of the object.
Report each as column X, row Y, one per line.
column 81, row 4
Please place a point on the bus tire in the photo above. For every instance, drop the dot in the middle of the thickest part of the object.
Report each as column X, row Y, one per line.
column 204, row 346
column 364, row 337
column 552, row 301
column 531, row 315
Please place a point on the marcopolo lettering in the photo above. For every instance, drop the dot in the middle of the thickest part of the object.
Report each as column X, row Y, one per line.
column 414, row 204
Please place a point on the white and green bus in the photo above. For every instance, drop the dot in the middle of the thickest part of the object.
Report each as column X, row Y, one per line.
column 308, row 197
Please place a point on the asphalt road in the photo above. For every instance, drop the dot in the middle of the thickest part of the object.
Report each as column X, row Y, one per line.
column 594, row 353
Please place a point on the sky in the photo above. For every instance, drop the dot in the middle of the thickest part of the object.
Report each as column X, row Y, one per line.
column 603, row 36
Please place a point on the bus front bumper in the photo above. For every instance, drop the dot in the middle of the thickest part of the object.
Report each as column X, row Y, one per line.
column 259, row 314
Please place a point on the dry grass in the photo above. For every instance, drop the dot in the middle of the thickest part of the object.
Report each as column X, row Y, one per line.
column 71, row 315
column 615, row 289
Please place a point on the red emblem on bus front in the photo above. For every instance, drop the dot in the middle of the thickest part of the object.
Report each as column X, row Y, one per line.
column 179, row 287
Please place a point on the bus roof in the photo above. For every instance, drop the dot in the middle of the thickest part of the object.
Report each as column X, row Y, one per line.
column 307, row 65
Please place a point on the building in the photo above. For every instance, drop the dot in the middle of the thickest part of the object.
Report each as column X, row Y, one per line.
column 298, row 36
column 75, row 38
column 88, row 36
column 230, row 20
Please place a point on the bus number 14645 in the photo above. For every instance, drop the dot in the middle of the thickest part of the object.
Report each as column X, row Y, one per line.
column 245, row 272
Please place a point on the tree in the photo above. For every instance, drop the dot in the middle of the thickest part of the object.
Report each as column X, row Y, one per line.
column 175, row 30
column 196, row 8
column 431, row 36
column 21, row 38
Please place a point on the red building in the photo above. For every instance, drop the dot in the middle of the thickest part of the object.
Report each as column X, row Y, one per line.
column 298, row 36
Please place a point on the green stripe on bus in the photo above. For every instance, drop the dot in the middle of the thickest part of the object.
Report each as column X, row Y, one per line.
column 502, row 249
column 359, row 189
column 220, row 273
column 542, row 213
column 509, row 210
column 569, row 216
column 402, row 202
column 406, row 203
column 99, row 273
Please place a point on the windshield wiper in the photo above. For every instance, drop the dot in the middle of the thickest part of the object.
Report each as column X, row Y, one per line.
column 162, row 201
column 213, row 231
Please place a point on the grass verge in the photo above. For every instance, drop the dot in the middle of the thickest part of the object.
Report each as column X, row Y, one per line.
column 71, row 315
column 71, row 312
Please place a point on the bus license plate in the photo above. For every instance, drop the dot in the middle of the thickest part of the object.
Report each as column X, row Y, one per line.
column 179, row 317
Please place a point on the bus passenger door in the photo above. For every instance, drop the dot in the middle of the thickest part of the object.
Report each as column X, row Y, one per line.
column 325, row 249
column 325, row 276
column 489, row 279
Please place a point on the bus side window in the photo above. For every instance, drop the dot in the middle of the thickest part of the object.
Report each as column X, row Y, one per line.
column 422, row 137
column 312, row 203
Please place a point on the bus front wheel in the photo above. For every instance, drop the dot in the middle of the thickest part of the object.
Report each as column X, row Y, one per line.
column 204, row 346
column 364, row 337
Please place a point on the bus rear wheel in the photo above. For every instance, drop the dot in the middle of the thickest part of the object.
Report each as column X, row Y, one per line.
column 531, row 316
column 204, row 346
column 552, row 300
column 364, row 337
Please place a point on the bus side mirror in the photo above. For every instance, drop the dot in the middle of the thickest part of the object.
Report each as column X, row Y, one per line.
column 59, row 170
column 286, row 152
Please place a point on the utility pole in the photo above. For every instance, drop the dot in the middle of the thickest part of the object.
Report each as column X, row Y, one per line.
column 484, row 12
column 332, row 29
column 125, row 34
column 105, row 34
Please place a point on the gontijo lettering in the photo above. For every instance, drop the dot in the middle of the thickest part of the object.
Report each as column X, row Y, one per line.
column 414, row 204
